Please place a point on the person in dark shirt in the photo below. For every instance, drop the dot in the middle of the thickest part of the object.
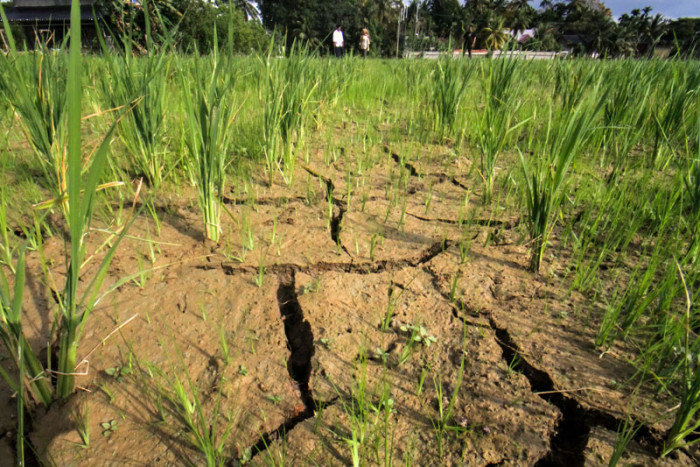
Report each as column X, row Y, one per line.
column 469, row 41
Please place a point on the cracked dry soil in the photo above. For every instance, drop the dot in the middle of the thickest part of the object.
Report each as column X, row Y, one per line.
column 277, row 338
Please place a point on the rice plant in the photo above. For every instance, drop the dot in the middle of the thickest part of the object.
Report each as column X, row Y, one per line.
column 449, row 81
column 142, row 84
column 290, row 85
column 82, row 177
column 502, row 103
column 686, row 423
column 208, row 117
column 546, row 173
column 35, row 85
column 179, row 399
column 674, row 99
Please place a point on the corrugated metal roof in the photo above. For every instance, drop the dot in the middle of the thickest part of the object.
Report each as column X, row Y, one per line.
column 45, row 15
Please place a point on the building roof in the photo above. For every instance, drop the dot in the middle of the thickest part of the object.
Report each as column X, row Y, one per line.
column 45, row 14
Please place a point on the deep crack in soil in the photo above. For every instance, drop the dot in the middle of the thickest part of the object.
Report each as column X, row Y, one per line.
column 300, row 342
column 411, row 169
column 570, row 437
column 337, row 219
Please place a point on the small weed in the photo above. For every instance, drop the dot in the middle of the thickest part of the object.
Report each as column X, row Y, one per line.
column 108, row 392
column 242, row 370
column 314, row 285
column 275, row 399
column 108, row 428
column 118, row 372
column 325, row 342
column 418, row 336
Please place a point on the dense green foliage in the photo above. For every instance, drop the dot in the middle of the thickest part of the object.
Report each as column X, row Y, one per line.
column 190, row 24
column 581, row 26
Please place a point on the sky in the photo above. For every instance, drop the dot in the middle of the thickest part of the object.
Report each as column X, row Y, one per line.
column 667, row 8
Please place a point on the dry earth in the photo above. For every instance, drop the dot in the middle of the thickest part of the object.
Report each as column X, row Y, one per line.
column 533, row 389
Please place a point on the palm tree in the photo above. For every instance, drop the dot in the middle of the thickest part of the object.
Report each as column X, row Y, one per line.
column 249, row 9
column 496, row 37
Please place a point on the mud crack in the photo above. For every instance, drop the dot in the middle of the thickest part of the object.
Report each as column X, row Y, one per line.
column 337, row 218
column 504, row 224
column 269, row 201
column 300, row 342
column 570, row 437
column 411, row 169
column 376, row 267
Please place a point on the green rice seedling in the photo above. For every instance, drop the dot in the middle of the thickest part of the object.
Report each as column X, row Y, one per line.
column 674, row 99
column 272, row 118
column 290, row 85
column 691, row 185
column 208, row 119
column 392, row 303
column 181, row 401
column 626, row 113
column 260, row 276
column 443, row 423
column 31, row 372
column 546, row 174
column 6, row 248
column 572, row 82
column 497, row 118
column 82, row 177
column 142, row 84
column 369, row 411
column 82, row 422
column 35, row 85
column 448, row 83
column 686, row 423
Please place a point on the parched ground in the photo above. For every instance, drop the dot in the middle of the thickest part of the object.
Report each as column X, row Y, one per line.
column 292, row 336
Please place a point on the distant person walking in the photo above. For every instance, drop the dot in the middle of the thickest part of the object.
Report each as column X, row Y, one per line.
column 469, row 41
column 364, row 43
column 338, row 41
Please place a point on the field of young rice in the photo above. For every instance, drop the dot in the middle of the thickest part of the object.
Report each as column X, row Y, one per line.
column 301, row 260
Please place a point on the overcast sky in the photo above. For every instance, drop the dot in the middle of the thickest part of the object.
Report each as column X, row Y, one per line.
column 668, row 8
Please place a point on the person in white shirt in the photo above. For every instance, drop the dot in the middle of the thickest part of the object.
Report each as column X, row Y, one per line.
column 338, row 41
column 364, row 42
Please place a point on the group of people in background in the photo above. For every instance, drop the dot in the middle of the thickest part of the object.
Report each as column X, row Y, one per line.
column 339, row 42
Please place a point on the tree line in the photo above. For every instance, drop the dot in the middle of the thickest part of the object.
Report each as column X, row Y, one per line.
column 581, row 26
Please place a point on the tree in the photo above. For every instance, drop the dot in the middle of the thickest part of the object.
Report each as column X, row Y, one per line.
column 190, row 23
column 495, row 37
column 519, row 15
column 683, row 36
column 643, row 30
column 249, row 10
column 447, row 17
column 312, row 20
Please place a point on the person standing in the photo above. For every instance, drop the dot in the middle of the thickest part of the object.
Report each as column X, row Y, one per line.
column 338, row 41
column 364, row 43
column 469, row 41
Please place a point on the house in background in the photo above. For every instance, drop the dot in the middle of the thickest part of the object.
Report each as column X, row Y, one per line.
column 48, row 21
